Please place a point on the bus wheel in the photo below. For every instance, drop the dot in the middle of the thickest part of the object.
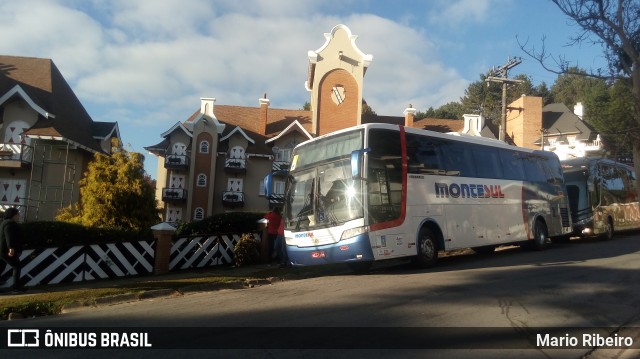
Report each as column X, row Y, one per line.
column 427, row 249
column 360, row 267
column 540, row 236
column 608, row 230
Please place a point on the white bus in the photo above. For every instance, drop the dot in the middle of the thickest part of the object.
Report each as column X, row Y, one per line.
column 603, row 197
column 382, row 191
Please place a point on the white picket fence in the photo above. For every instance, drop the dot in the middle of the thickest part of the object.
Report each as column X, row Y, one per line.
column 114, row 260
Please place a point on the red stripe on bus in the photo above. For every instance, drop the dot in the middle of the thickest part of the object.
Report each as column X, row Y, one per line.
column 524, row 212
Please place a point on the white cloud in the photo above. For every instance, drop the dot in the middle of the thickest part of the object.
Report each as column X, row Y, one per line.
column 406, row 69
column 460, row 12
column 145, row 64
column 48, row 29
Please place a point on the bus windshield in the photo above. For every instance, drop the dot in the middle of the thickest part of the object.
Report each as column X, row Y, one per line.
column 323, row 193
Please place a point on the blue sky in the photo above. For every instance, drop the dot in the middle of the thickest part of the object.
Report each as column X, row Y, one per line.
column 147, row 63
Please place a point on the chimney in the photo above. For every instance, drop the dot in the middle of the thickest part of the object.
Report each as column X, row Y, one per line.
column 264, row 107
column 206, row 106
column 409, row 113
column 578, row 109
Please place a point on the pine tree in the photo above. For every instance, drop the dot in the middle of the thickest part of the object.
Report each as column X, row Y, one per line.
column 115, row 193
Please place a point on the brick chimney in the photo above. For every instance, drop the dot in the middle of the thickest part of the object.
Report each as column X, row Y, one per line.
column 264, row 108
column 409, row 114
column 524, row 121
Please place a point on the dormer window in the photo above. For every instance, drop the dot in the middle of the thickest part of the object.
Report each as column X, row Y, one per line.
column 204, row 147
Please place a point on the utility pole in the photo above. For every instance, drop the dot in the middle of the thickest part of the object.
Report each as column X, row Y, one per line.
column 500, row 75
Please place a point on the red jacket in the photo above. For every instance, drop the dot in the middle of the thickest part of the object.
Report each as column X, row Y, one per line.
column 274, row 222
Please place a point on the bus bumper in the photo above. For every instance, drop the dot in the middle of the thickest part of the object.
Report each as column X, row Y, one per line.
column 355, row 249
column 583, row 228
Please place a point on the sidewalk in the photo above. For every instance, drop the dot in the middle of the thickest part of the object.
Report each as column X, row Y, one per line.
column 165, row 285
column 183, row 282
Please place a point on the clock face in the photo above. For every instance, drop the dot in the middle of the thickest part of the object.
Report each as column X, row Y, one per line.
column 338, row 94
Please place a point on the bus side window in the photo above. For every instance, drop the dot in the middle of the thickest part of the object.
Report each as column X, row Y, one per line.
column 512, row 165
column 487, row 161
column 457, row 159
column 534, row 168
column 630, row 186
column 424, row 155
column 611, row 186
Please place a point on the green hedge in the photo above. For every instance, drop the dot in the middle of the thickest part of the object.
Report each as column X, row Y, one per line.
column 47, row 234
column 233, row 222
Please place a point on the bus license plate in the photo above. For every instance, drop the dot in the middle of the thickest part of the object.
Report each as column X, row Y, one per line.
column 317, row 254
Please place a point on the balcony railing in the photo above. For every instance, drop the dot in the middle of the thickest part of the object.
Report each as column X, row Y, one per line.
column 15, row 155
column 176, row 162
column 174, row 194
column 233, row 199
column 235, row 165
column 279, row 166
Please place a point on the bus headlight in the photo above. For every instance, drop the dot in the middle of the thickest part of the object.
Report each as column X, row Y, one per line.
column 350, row 192
column 353, row 232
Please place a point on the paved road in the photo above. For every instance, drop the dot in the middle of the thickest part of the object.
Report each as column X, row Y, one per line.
column 580, row 284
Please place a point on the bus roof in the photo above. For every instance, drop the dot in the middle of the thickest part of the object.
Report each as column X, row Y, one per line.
column 449, row 136
column 574, row 164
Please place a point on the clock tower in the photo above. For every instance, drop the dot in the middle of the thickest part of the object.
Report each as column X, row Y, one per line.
column 336, row 74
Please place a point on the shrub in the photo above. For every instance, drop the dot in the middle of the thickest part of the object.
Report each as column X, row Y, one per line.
column 247, row 250
column 238, row 222
column 47, row 234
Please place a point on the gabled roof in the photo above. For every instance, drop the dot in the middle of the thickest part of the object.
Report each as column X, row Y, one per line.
column 103, row 130
column 18, row 91
column 295, row 126
column 247, row 120
column 40, row 84
column 559, row 121
column 177, row 126
column 238, row 130
column 159, row 149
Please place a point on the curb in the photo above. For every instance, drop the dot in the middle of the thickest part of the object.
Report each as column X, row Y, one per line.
column 165, row 293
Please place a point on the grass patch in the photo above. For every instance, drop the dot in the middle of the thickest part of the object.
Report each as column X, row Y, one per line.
column 52, row 301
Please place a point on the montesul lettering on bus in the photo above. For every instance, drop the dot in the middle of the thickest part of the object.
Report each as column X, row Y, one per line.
column 466, row 190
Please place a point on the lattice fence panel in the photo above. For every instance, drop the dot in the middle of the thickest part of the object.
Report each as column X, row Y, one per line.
column 207, row 251
column 49, row 266
column 119, row 259
column 81, row 263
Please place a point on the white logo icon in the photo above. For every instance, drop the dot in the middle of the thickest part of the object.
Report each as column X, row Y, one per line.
column 23, row 338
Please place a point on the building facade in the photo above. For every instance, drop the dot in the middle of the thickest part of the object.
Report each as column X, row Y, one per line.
column 48, row 138
column 553, row 127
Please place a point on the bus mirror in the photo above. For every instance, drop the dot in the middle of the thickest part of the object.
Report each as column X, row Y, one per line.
column 356, row 162
column 268, row 184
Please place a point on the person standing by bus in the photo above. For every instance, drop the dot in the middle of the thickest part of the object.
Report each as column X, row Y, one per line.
column 274, row 218
column 281, row 246
column 11, row 245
